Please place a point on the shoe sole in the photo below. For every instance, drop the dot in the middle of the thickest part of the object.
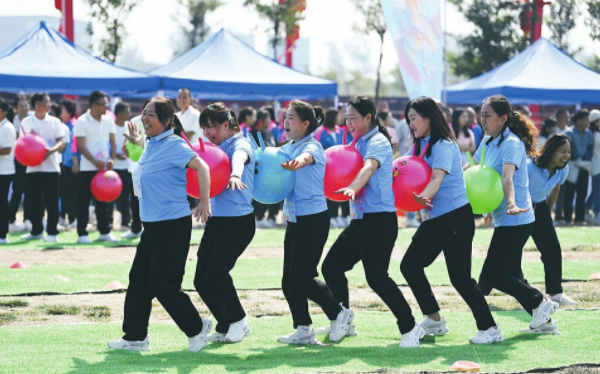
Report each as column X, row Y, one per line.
column 299, row 342
column 131, row 349
column 553, row 310
column 437, row 332
column 494, row 340
column 538, row 332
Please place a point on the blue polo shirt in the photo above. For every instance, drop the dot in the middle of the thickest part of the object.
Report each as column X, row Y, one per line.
column 377, row 194
column 161, row 170
column 236, row 203
column 328, row 137
column 308, row 194
column 452, row 194
column 540, row 181
column 510, row 151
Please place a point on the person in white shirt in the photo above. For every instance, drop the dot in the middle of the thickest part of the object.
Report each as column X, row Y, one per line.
column 189, row 116
column 122, row 112
column 18, row 186
column 8, row 137
column 95, row 133
column 42, row 180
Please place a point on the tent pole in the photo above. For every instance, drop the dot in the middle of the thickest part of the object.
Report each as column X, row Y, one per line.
column 336, row 101
column 276, row 108
column 445, row 93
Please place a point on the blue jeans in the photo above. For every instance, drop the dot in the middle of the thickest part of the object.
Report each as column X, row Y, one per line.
column 594, row 199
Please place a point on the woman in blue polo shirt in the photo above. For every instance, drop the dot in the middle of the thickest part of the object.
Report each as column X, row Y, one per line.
column 305, row 210
column 547, row 172
column 447, row 226
column 510, row 138
column 371, row 235
column 159, row 181
column 230, row 229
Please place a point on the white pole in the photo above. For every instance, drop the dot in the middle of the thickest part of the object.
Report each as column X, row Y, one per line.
column 445, row 94
column 336, row 101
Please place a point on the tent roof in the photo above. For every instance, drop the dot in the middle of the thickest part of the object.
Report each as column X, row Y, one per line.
column 223, row 67
column 44, row 60
column 541, row 74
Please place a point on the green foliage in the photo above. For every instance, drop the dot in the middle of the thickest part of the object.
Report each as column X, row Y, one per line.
column 197, row 30
column 563, row 14
column 594, row 63
column 13, row 303
column 57, row 310
column 495, row 40
column 111, row 14
column 593, row 21
column 7, row 317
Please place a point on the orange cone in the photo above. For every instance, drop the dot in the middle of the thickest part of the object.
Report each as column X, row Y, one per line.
column 114, row 286
column 465, row 366
column 595, row 276
column 18, row 265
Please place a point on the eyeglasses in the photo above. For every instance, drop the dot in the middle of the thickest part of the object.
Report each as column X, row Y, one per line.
column 104, row 104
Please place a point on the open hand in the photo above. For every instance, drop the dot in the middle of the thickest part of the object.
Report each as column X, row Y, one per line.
column 487, row 219
column 134, row 136
column 513, row 210
column 203, row 211
column 422, row 200
column 234, row 182
column 291, row 165
column 347, row 191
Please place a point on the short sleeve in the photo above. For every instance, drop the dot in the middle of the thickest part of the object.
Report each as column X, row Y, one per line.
column 79, row 129
column 316, row 151
column 59, row 130
column 7, row 137
column 443, row 156
column 67, row 136
column 112, row 127
column 510, row 151
column 563, row 175
column 181, row 153
column 378, row 149
column 243, row 144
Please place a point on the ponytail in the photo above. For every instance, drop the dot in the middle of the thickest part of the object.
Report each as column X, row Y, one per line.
column 176, row 125
column 365, row 105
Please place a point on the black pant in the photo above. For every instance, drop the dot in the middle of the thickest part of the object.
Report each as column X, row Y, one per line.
column 260, row 209
column 69, row 183
column 122, row 201
column 43, row 189
column 18, row 188
column 83, row 203
column 333, row 208
column 5, row 181
column 452, row 233
column 371, row 240
column 502, row 266
column 560, row 203
column 157, row 271
column 223, row 242
column 136, row 223
column 546, row 240
column 582, row 188
column 303, row 247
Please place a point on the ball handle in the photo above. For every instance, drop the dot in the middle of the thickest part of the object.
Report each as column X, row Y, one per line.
column 260, row 140
column 344, row 137
column 482, row 157
column 471, row 162
column 252, row 141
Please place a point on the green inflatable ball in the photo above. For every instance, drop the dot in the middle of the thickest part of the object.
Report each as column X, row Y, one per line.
column 134, row 151
column 484, row 186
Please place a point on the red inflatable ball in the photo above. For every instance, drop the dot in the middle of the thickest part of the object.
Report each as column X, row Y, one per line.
column 342, row 164
column 218, row 164
column 30, row 150
column 411, row 174
column 106, row 186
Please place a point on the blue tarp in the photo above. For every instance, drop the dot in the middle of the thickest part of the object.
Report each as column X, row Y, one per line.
column 225, row 68
column 541, row 74
column 44, row 60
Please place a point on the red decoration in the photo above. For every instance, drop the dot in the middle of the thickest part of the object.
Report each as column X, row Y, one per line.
column 218, row 164
column 30, row 150
column 342, row 164
column 106, row 186
column 411, row 174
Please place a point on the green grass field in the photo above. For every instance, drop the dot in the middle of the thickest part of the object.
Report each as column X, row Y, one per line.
column 248, row 274
column 82, row 348
column 569, row 237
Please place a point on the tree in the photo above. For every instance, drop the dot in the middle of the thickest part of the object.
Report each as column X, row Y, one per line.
column 373, row 21
column 496, row 39
column 284, row 16
column 112, row 14
column 563, row 14
column 197, row 11
column 593, row 21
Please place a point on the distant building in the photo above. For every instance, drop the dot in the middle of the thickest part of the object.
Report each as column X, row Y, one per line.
column 12, row 28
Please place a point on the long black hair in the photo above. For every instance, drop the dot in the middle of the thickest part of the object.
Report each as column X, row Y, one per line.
column 548, row 124
column 165, row 111
column 365, row 105
column 426, row 107
column 554, row 142
column 306, row 112
column 456, row 122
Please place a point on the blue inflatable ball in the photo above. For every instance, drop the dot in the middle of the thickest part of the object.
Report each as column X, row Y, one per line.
column 272, row 183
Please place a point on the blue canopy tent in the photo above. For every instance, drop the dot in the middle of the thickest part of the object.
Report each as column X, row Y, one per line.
column 541, row 74
column 44, row 60
column 224, row 68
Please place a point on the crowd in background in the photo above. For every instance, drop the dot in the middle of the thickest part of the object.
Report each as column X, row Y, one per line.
column 59, row 188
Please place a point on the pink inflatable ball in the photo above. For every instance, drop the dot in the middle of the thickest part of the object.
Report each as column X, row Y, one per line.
column 342, row 165
column 106, row 186
column 218, row 164
column 411, row 174
column 30, row 150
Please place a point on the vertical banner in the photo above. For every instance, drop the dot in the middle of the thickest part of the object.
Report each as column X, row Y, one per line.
column 416, row 28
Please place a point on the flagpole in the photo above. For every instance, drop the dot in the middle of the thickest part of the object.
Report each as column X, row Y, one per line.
column 445, row 95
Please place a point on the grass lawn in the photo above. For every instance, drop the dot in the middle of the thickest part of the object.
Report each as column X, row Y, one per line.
column 263, row 273
column 82, row 348
column 569, row 237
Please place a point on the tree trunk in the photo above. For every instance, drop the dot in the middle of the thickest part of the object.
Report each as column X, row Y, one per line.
column 377, row 85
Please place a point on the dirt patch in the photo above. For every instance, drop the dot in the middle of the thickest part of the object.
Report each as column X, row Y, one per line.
column 85, row 308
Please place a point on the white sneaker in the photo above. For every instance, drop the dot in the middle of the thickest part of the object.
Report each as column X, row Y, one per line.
column 334, row 224
column 431, row 326
column 32, row 237
column 63, row 222
column 109, row 238
column 15, row 227
column 218, row 337
column 549, row 328
column 143, row 345
column 28, row 225
column 302, row 335
column 413, row 223
column 491, row 335
column 4, row 241
column 237, row 331
column 51, row 238
column 341, row 222
column 131, row 235
column 343, row 320
column 412, row 339
column 199, row 341
column 44, row 223
column 73, row 225
column 562, row 299
column 264, row 224
column 541, row 314
column 84, row 240
column 326, row 330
